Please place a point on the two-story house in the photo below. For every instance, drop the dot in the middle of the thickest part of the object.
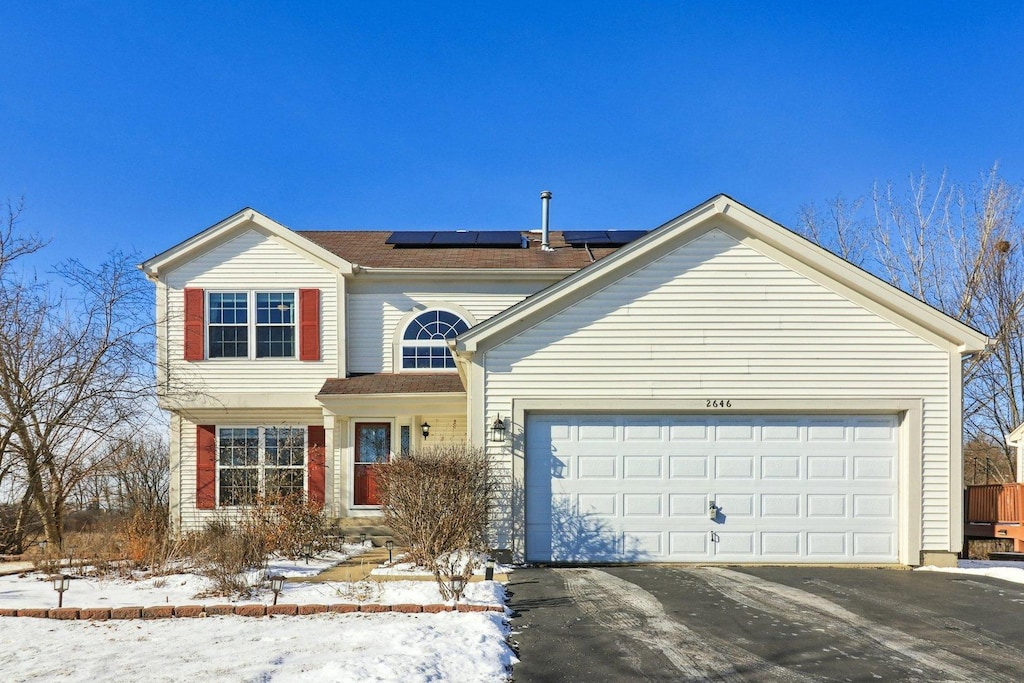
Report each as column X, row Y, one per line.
column 714, row 389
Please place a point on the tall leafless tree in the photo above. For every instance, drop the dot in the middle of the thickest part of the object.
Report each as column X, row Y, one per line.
column 74, row 370
column 959, row 248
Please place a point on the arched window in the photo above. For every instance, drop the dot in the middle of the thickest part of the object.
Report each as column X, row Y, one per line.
column 423, row 342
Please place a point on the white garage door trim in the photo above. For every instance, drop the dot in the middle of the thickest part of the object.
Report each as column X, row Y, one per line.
column 796, row 488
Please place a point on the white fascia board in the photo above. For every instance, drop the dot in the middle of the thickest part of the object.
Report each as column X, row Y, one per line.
column 690, row 224
column 219, row 233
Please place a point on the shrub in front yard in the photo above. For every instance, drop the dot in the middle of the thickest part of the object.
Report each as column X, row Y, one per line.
column 435, row 501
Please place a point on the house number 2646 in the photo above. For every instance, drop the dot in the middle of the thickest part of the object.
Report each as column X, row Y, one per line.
column 719, row 403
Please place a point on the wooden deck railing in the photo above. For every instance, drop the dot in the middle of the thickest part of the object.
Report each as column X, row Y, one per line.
column 995, row 504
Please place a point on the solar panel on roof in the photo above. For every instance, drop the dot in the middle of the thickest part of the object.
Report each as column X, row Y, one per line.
column 412, row 238
column 585, row 236
column 617, row 238
column 602, row 238
column 499, row 238
column 464, row 238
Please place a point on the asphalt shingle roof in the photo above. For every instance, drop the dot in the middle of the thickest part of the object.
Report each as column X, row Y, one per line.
column 395, row 383
column 368, row 248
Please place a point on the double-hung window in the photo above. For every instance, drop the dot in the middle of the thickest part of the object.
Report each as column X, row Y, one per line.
column 235, row 318
column 254, row 461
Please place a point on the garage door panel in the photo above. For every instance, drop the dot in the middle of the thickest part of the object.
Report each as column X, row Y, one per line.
column 826, row 467
column 785, row 543
column 637, row 488
column 688, row 505
column 641, row 505
column 826, row 544
column 594, row 467
column 641, row 466
column 688, row 467
column 602, row 504
column 780, row 505
column 734, row 467
column 689, row 432
column 739, row 505
column 780, row 467
column 691, row 545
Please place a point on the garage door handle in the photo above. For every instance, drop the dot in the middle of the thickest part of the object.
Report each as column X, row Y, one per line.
column 714, row 536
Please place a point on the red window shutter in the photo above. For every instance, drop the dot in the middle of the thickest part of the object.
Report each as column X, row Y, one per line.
column 206, row 467
column 315, row 464
column 309, row 324
column 194, row 313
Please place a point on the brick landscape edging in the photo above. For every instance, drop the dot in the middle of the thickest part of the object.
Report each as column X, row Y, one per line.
column 244, row 610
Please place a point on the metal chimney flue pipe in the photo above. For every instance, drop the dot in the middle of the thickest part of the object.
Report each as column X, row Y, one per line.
column 545, row 209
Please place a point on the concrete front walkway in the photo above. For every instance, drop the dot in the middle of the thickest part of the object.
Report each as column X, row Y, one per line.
column 359, row 567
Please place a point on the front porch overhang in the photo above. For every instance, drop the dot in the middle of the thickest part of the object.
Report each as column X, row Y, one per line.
column 393, row 393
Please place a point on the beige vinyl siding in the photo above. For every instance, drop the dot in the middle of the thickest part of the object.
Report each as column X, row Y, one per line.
column 377, row 308
column 253, row 262
column 717, row 319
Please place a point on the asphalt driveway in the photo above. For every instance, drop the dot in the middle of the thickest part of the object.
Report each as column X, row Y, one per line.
column 764, row 624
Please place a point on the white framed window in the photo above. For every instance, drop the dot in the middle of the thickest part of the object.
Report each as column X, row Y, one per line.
column 424, row 342
column 259, row 324
column 254, row 461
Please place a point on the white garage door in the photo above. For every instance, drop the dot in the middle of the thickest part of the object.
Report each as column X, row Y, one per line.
column 638, row 488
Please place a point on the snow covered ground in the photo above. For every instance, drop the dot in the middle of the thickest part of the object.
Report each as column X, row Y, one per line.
column 329, row 647
column 1007, row 571
column 33, row 590
column 326, row 647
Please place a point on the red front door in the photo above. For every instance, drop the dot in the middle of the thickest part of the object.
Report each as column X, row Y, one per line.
column 373, row 446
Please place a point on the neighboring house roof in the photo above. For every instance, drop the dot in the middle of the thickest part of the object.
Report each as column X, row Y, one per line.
column 369, row 250
column 393, row 383
column 744, row 224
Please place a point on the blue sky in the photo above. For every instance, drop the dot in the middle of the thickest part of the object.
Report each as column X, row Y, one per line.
column 135, row 125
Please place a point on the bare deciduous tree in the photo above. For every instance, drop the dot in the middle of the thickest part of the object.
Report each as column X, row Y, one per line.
column 961, row 250
column 73, row 370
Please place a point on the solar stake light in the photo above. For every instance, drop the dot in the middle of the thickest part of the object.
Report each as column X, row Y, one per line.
column 390, row 545
column 458, row 584
column 307, row 550
column 276, row 584
column 362, row 539
column 60, row 582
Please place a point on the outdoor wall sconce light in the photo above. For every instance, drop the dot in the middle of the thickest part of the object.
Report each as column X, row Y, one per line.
column 425, row 428
column 498, row 430
column 307, row 550
column 61, row 582
column 276, row 584
column 390, row 545
column 489, row 569
column 458, row 585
